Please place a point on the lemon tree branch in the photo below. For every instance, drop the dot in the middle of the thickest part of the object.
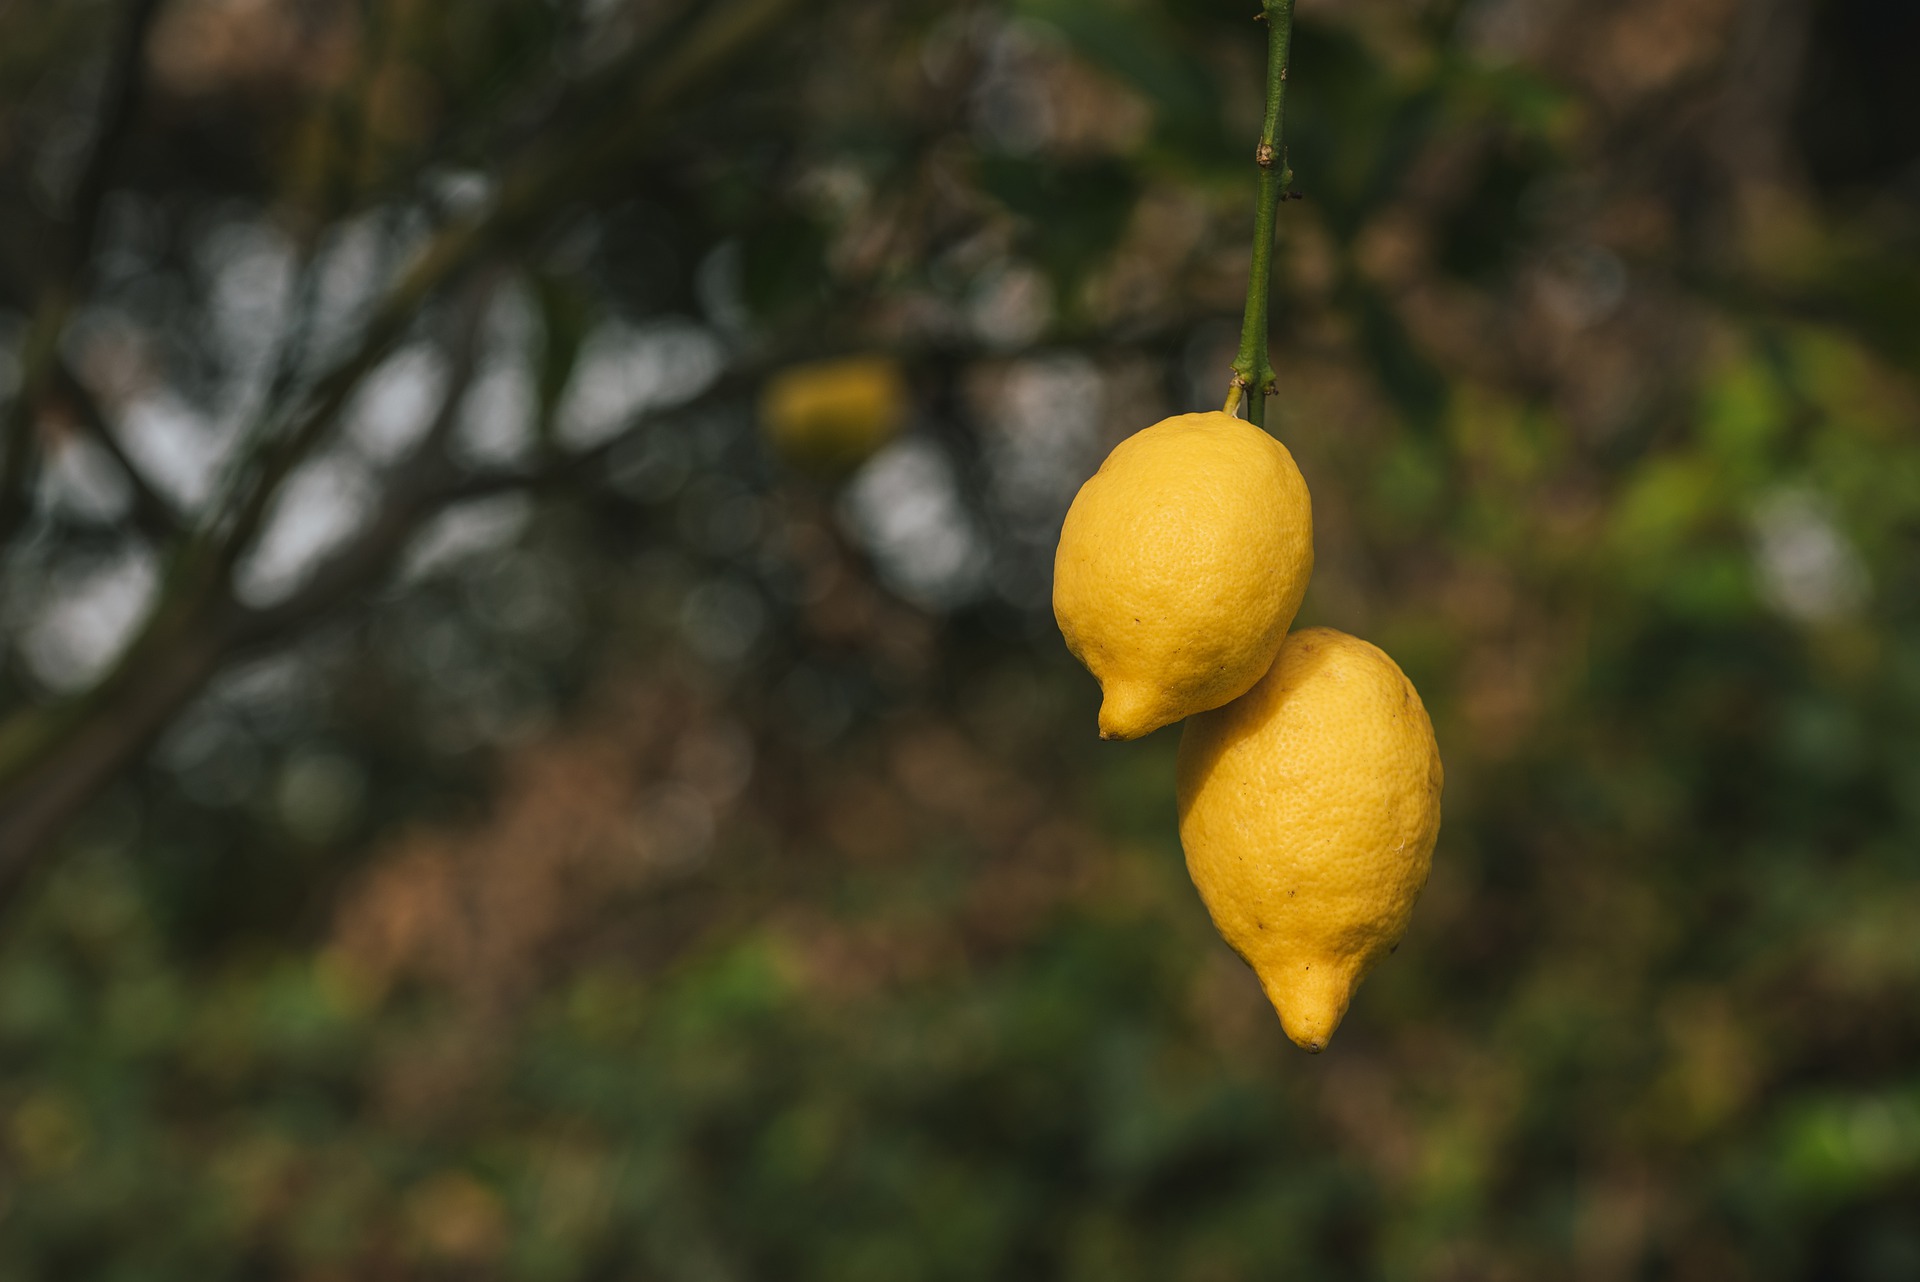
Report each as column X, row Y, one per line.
column 1252, row 367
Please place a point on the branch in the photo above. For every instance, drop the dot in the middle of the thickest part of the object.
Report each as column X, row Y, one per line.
column 276, row 456
column 1253, row 366
column 429, row 487
column 153, row 513
column 53, row 760
column 746, row 375
column 539, row 186
column 77, row 751
column 413, row 493
column 18, row 455
column 58, row 757
column 125, row 79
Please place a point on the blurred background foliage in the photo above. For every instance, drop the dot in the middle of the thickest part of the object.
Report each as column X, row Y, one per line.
column 536, row 744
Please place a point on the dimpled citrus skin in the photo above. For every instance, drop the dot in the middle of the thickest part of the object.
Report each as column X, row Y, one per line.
column 1180, row 567
column 1309, row 809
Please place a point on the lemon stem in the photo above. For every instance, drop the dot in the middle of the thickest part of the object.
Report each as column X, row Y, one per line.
column 1253, row 368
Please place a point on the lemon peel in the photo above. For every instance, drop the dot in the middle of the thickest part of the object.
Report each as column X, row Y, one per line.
column 1308, row 810
column 1180, row 567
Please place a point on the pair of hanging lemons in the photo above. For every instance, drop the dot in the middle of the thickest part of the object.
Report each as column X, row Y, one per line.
column 1308, row 780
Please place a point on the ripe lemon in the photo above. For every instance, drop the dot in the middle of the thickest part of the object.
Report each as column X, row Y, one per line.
column 1308, row 809
column 1180, row 567
column 834, row 414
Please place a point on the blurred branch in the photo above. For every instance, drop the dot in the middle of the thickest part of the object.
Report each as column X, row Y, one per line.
column 58, row 757
column 540, row 186
column 274, row 456
column 562, row 468
column 192, row 638
column 126, row 78
column 53, row 759
column 121, row 92
column 18, row 454
column 153, row 514
column 416, row 491
column 73, row 751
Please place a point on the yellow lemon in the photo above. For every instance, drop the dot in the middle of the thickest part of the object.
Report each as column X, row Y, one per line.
column 1180, row 567
column 1308, row 809
column 833, row 414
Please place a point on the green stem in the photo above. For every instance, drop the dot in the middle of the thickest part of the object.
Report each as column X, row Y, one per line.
column 1252, row 368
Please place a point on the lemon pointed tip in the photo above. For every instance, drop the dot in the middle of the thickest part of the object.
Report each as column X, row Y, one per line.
column 1125, row 714
column 1310, row 1007
column 1314, row 1038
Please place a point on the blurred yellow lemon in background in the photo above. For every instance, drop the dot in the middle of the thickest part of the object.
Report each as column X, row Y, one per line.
column 1180, row 567
column 1308, row 810
column 834, row 414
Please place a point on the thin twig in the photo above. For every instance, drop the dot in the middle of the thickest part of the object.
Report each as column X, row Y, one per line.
column 416, row 489
column 1253, row 365
column 153, row 514
column 540, row 186
column 73, row 246
column 58, row 756
column 53, row 759
column 126, row 78
column 19, row 453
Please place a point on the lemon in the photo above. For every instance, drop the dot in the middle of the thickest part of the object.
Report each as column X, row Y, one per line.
column 1180, row 567
column 833, row 414
column 1308, row 809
